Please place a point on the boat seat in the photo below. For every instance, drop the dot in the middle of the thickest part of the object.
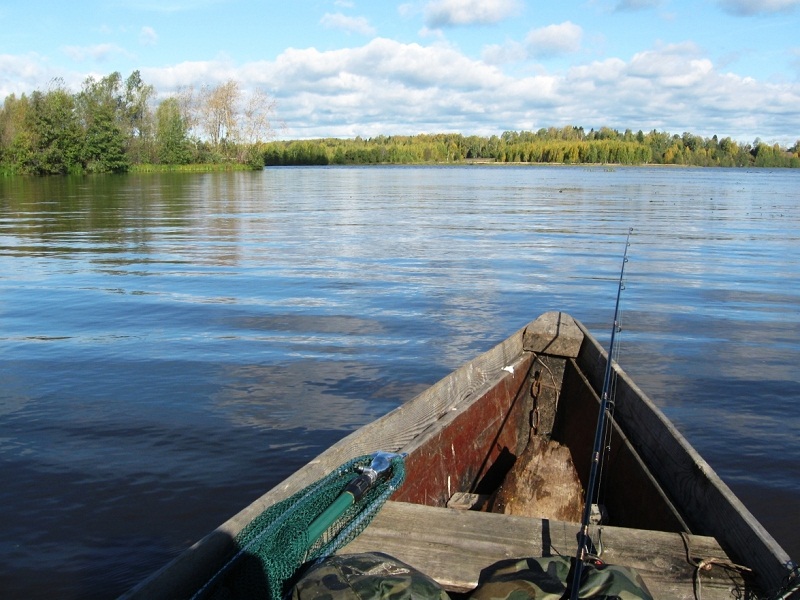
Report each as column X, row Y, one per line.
column 455, row 546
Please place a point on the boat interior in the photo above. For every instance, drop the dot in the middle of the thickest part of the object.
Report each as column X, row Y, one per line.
column 516, row 439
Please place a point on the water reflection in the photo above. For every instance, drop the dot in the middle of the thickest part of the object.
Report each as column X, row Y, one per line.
column 308, row 394
column 175, row 344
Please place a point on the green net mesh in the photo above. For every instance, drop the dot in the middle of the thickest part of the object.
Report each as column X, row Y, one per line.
column 274, row 545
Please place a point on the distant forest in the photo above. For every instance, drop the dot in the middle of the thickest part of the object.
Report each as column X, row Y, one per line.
column 113, row 125
column 566, row 145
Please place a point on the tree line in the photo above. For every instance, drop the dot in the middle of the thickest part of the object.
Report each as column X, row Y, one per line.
column 566, row 145
column 112, row 124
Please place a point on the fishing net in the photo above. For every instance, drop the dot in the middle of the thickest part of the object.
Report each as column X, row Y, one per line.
column 276, row 543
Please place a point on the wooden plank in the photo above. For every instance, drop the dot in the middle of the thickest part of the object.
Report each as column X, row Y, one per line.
column 468, row 445
column 454, row 546
column 467, row 501
column 554, row 333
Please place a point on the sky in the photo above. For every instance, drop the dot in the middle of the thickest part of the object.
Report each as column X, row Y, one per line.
column 346, row 68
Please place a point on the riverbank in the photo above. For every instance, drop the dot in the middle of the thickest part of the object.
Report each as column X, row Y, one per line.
column 190, row 168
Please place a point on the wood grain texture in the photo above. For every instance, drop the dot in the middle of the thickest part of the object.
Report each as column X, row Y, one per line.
column 555, row 334
column 454, row 547
column 543, row 483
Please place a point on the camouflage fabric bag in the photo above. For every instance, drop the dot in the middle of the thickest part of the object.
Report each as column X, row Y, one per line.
column 544, row 579
column 367, row 576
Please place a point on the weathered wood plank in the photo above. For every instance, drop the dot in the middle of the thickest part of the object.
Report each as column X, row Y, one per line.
column 554, row 333
column 630, row 493
column 467, row 446
column 454, row 546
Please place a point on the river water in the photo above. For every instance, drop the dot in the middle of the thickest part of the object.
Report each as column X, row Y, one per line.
column 172, row 345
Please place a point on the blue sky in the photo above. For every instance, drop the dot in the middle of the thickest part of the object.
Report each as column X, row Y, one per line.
column 343, row 68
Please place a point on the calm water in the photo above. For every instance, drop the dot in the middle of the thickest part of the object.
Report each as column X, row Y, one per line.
column 173, row 345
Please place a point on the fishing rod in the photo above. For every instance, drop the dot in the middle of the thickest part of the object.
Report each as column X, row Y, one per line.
column 597, row 451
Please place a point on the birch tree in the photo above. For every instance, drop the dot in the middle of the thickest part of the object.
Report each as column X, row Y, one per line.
column 235, row 124
column 217, row 112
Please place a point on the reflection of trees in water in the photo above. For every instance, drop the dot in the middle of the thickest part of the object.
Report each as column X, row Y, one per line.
column 196, row 218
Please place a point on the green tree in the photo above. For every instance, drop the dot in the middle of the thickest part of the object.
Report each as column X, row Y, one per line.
column 606, row 133
column 101, row 110
column 16, row 148
column 172, row 144
column 658, row 142
column 137, row 118
column 104, row 146
column 54, row 134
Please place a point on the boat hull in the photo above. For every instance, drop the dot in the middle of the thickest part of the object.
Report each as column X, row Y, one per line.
column 466, row 432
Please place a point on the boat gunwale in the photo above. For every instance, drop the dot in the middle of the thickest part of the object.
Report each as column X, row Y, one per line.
column 718, row 512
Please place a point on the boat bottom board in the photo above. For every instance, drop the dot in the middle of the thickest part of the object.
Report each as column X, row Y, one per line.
column 454, row 546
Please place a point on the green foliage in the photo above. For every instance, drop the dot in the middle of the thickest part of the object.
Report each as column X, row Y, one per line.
column 102, row 111
column 137, row 120
column 772, row 156
column 254, row 157
column 190, row 168
column 568, row 145
column 104, row 145
column 49, row 143
column 16, row 146
column 172, row 143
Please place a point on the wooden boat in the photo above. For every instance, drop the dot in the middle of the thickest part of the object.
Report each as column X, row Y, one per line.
column 670, row 516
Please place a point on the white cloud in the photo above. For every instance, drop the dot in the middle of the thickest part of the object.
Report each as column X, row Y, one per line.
column 407, row 10
column 21, row 74
column 554, row 39
column 389, row 87
column 168, row 80
column 449, row 13
column 509, row 52
column 676, row 89
column 676, row 65
column 752, row 7
column 349, row 24
column 381, row 62
column 148, row 36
